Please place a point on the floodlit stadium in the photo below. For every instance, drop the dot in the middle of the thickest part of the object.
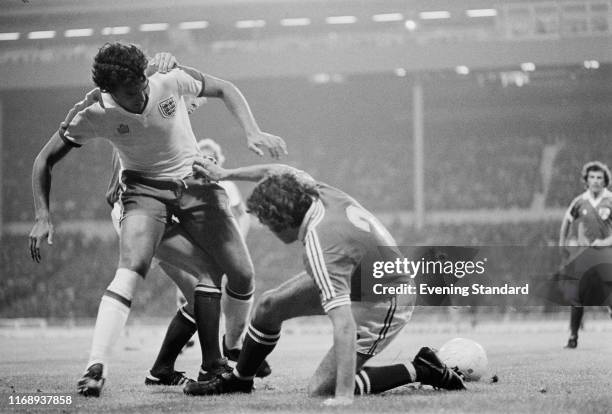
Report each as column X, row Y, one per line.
column 455, row 123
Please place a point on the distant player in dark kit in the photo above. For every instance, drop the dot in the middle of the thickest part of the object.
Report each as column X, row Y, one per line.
column 338, row 234
column 588, row 222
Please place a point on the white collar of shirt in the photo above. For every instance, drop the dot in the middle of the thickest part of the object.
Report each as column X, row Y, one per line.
column 314, row 214
column 588, row 196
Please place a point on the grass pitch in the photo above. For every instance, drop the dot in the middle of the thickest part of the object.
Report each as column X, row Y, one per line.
column 535, row 373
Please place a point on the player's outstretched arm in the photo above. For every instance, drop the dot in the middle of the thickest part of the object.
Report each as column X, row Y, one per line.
column 206, row 168
column 345, row 354
column 52, row 152
column 236, row 103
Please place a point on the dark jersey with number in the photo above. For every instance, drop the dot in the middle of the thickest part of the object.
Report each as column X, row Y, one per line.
column 593, row 213
column 342, row 239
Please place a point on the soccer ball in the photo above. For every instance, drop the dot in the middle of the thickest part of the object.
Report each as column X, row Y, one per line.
column 467, row 356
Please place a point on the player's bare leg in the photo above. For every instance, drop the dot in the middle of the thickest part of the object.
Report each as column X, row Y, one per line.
column 296, row 297
column 140, row 235
column 426, row 368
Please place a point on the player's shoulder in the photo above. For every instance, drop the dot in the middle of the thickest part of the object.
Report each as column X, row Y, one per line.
column 332, row 214
column 607, row 195
column 168, row 78
column 579, row 199
column 162, row 81
column 88, row 112
column 334, row 198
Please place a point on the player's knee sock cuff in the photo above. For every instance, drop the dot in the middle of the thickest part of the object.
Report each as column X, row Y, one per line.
column 111, row 296
column 263, row 336
column 362, row 383
column 202, row 290
column 246, row 296
column 258, row 344
column 123, row 286
column 186, row 317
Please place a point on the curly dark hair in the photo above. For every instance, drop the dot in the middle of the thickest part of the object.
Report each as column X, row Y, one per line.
column 118, row 64
column 282, row 200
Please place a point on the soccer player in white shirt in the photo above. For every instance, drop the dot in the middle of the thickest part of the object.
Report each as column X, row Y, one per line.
column 146, row 120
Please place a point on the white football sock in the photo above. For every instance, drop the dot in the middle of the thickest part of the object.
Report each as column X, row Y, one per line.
column 112, row 315
column 411, row 371
column 236, row 309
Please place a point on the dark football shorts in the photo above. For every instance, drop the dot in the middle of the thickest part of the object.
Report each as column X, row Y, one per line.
column 160, row 199
column 202, row 209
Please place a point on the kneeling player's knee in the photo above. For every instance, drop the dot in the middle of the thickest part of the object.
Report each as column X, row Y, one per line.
column 268, row 308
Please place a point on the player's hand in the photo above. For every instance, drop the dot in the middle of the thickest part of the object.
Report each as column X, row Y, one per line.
column 206, row 167
column 43, row 229
column 275, row 145
column 162, row 62
column 338, row 401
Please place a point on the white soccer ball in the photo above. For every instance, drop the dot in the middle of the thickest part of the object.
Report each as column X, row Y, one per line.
column 469, row 357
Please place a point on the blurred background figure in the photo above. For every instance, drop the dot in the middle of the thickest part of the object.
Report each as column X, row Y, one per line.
column 588, row 222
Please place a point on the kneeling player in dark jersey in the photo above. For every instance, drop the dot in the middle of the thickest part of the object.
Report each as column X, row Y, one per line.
column 338, row 235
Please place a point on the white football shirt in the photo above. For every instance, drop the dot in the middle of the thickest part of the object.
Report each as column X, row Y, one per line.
column 159, row 143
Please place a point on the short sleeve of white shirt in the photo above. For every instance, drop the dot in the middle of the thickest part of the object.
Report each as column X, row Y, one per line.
column 80, row 130
column 186, row 84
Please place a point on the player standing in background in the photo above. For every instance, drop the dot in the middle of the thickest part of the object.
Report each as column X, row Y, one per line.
column 146, row 121
column 339, row 235
column 588, row 222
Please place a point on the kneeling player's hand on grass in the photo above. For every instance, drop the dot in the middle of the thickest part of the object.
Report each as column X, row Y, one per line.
column 338, row 401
